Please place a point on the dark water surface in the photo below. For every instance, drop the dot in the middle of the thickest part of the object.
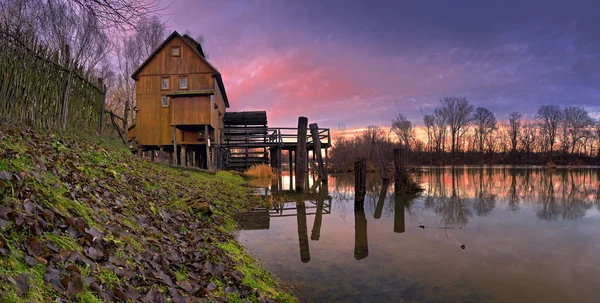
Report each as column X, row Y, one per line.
column 529, row 235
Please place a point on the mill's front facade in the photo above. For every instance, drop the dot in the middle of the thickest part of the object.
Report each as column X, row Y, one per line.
column 180, row 104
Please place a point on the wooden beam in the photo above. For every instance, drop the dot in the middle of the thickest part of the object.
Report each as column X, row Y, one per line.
column 360, row 182
column 314, row 131
column 175, row 160
column 382, row 168
column 400, row 178
column 301, row 154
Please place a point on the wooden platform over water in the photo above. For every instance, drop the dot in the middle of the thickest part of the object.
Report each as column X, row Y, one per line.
column 249, row 141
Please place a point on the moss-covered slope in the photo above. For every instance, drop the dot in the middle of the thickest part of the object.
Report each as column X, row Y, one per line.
column 83, row 220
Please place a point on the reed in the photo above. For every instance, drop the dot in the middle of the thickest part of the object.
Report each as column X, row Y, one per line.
column 260, row 171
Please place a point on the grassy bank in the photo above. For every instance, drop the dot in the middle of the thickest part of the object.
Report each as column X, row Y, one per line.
column 83, row 220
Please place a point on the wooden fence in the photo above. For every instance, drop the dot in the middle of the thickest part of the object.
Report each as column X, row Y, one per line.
column 43, row 87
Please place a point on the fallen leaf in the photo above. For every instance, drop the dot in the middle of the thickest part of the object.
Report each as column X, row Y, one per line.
column 34, row 247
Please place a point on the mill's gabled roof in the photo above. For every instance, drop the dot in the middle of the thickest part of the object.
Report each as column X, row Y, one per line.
column 197, row 47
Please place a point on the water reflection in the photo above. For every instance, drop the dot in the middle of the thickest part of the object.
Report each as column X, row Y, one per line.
column 509, row 218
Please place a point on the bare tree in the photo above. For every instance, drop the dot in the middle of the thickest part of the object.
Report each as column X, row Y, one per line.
column 429, row 122
column 485, row 123
column 403, row 130
column 575, row 121
column 597, row 133
column 548, row 118
column 457, row 111
column 114, row 13
column 514, row 127
column 131, row 52
column 528, row 137
column 440, row 129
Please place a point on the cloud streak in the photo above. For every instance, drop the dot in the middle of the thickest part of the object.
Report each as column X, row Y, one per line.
column 361, row 63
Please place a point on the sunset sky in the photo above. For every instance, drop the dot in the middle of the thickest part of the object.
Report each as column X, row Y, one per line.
column 363, row 62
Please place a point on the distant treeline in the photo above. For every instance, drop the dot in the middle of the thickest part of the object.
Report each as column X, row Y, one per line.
column 458, row 133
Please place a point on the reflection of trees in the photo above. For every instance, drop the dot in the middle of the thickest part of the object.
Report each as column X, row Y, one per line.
column 453, row 209
column 573, row 202
column 485, row 200
column 456, row 194
column 513, row 197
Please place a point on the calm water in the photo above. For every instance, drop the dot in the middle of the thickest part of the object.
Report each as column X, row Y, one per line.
column 529, row 235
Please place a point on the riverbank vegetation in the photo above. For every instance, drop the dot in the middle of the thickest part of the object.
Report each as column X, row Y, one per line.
column 81, row 219
column 457, row 132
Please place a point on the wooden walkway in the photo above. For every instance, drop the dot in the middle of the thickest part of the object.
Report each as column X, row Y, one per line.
column 247, row 141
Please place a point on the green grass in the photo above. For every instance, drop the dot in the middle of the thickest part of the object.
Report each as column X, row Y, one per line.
column 254, row 275
column 181, row 274
column 108, row 277
column 64, row 242
column 109, row 167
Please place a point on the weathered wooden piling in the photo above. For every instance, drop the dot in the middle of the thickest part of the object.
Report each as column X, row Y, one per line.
column 316, row 231
column 400, row 177
column 302, row 231
column 314, row 131
column 382, row 168
column 381, row 201
column 301, row 154
column 399, row 202
column 361, row 242
column 360, row 182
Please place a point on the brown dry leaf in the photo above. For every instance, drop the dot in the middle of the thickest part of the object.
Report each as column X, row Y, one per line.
column 34, row 247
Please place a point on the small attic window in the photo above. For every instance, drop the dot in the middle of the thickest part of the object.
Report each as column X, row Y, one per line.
column 175, row 51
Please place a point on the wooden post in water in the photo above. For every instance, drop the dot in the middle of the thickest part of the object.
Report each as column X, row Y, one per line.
column 361, row 242
column 302, row 230
column 400, row 177
column 382, row 168
column 360, row 182
column 301, row 154
column 399, row 225
column 316, row 231
column 314, row 131
column 381, row 201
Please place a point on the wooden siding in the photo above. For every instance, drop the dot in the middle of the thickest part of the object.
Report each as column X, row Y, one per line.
column 165, row 64
column 190, row 110
column 153, row 121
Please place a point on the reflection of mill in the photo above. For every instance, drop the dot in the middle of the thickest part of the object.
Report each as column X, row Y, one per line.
column 317, row 202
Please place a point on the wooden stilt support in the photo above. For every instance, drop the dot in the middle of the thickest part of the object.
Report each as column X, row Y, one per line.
column 314, row 131
column 161, row 154
column 301, row 154
column 400, row 178
column 174, row 157
column 152, row 155
column 399, row 224
column 361, row 242
column 302, row 231
column 381, row 201
column 140, row 152
column 360, row 182
column 382, row 168
column 183, row 156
